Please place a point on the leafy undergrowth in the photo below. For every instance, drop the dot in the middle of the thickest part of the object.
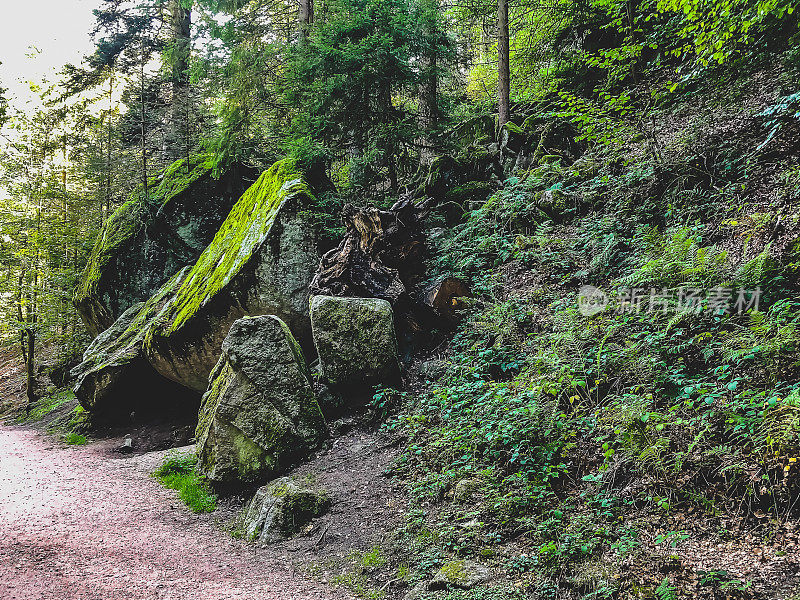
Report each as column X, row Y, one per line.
column 178, row 473
column 648, row 450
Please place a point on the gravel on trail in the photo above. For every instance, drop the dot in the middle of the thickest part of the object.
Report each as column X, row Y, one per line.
column 78, row 523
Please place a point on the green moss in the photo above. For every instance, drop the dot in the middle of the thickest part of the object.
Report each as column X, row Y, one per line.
column 454, row 571
column 127, row 345
column 513, row 128
column 176, row 179
column 125, row 223
column 241, row 234
column 133, row 216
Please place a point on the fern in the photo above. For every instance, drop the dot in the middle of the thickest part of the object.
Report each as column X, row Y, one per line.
column 665, row 591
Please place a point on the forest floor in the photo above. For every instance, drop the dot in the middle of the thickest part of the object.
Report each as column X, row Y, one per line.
column 78, row 523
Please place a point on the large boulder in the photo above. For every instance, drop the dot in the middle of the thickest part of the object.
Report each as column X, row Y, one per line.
column 355, row 341
column 259, row 414
column 115, row 376
column 282, row 508
column 261, row 262
column 146, row 241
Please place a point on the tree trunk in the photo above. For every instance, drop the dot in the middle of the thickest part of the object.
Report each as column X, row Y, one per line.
column 30, row 366
column 305, row 18
column 143, row 123
column 428, row 93
column 181, row 30
column 503, row 65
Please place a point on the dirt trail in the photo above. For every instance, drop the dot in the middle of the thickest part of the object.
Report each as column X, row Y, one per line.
column 77, row 524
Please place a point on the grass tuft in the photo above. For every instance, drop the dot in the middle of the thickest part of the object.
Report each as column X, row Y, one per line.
column 178, row 473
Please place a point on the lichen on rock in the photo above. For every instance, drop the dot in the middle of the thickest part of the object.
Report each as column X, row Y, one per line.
column 355, row 341
column 282, row 508
column 259, row 414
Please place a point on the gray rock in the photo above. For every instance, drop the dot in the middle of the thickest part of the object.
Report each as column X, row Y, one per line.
column 465, row 490
column 261, row 262
column 282, row 508
column 355, row 341
column 417, row 592
column 259, row 415
column 463, row 574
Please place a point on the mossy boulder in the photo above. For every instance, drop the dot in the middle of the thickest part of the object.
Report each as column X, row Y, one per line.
column 475, row 130
column 147, row 240
column 447, row 173
column 261, row 261
column 114, row 376
column 259, row 415
column 460, row 574
column 356, row 343
column 283, row 508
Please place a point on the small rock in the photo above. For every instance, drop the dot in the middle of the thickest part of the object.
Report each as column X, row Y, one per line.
column 463, row 574
column 417, row 592
column 127, row 445
column 283, row 508
column 465, row 490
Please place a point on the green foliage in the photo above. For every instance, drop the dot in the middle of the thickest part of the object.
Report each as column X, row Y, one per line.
column 178, row 473
column 75, row 439
column 679, row 260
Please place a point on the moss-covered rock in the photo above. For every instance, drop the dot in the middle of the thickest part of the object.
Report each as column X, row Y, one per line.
column 259, row 414
column 475, row 130
column 115, row 376
column 282, row 508
column 355, row 341
column 462, row 574
column 145, row 241
column 260, row 262
column 447, row 173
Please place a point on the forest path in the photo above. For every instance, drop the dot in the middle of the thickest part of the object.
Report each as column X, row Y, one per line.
column 76, row 523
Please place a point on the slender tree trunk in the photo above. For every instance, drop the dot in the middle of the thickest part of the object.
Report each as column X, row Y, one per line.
column 143, row 123
column 428, row 93
column 181, row 30
column 503, row 65
column 305, row 18
column 30, row 367
column 107, row 199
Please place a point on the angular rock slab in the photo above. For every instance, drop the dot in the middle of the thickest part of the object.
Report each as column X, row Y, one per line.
column 144, row 242
column 282, row 508
column 261, row 262
column 259, row 415
column 114, row 375
column 355, row 341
